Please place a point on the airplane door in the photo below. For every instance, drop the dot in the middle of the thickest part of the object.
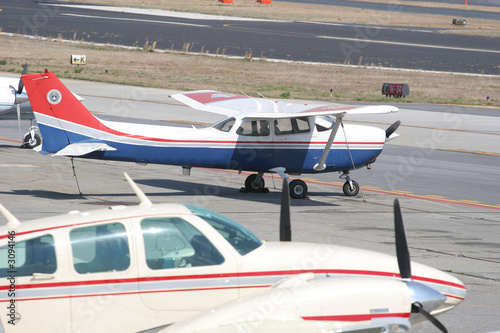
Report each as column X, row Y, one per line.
column 104, row 291
column 292, row 143
column 45, row 304
column 184, row 272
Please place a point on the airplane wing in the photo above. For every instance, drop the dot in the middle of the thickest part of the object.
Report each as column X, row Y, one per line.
column 230, row 104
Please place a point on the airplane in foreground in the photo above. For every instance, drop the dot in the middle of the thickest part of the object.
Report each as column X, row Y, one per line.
column 258, row 135
column 182, row 268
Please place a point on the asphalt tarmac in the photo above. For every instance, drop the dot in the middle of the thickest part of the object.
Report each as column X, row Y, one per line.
column 456, row 231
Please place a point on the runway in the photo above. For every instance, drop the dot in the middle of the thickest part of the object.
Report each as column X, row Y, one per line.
column 377, row 45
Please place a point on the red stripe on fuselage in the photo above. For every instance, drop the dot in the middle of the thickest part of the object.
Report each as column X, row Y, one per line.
column 361, row 317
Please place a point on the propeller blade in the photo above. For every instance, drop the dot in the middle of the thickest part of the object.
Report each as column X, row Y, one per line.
column 21, row 84
column 285, row 227
column 19, row 120
column 391, row 129
column 401, row 245
column 418, row 309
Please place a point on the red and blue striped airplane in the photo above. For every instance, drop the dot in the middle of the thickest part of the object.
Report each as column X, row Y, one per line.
column 258, row 135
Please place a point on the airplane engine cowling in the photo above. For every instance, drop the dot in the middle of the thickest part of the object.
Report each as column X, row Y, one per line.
column 329, row 304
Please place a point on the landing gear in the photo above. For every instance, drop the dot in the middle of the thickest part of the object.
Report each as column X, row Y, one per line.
column 31, row 139
column 351, row 187
column 255, row 183
column 298, row 189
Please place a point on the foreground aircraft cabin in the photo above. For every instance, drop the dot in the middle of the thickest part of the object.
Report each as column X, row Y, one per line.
column 130, row 269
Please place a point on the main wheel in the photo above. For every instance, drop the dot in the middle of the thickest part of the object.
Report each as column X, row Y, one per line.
column 31, row 142
column 298, row 189
column 350, row 192
column 253, row 187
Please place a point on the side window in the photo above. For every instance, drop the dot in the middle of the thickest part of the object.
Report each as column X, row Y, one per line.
column 101, row 248
column 36, row 255
column 302, row 125
column 254, row 128
column 283, row 126
column 171, row 242
column 291, row 126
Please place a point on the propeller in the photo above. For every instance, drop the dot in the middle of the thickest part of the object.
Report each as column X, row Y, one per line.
column 21, row 84
column 391, row 129
column 421, row 295
column 285, row 226
column 20, row 98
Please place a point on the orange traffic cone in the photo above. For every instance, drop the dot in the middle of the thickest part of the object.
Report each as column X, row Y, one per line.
column 466, row 2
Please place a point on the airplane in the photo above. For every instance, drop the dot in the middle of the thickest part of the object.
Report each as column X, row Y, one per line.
column 258, row 135
column 14, row 100
column 14, row 104
column 182, row 268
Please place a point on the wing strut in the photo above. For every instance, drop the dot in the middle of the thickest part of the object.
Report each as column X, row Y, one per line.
column 320, row 166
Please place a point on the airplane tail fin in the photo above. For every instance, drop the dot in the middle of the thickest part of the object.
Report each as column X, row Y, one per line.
column 62, row 118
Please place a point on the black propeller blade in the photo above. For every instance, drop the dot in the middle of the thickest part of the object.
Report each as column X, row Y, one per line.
column 21, row 84
column 285, row 228
column 415, row 307
column 403, row 255
column 402, row 252
column 391, row 129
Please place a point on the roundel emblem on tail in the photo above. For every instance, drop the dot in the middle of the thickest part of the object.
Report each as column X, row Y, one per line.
column 54, row 96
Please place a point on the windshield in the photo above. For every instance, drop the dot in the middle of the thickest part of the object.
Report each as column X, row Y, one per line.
column 237, row 235
column 224, row 125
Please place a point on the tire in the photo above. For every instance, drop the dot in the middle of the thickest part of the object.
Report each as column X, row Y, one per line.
column 298, row 189
column 30, row 142
column 253, row 188
column 347, row 189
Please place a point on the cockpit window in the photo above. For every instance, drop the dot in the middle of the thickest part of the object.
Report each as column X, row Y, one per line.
column 254, row 128
column 171, row 242
column 284, row 126
column 224, row 125
column 237, row 235
column 36, row 255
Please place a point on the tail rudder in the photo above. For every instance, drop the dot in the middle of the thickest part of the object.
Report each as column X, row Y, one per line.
column 61, row 117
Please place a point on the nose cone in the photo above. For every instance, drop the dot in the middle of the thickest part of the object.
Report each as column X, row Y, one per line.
column 447, row 285
column 429, row 299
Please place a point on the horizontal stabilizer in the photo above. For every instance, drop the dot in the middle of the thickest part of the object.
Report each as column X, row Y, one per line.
column 83, row 148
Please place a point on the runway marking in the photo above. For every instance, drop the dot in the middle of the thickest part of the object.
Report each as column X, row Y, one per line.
column 399, row 193
column 17, row 166
column 136, row 20
column 473, row 152
column 427, row 127
column 374, row 41
column 10, row 140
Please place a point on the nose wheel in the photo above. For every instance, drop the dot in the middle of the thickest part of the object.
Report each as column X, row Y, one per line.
column 351, row 187
column 298, row 189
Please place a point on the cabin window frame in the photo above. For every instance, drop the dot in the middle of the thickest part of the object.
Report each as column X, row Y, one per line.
column 101, row 248
column 29, row 256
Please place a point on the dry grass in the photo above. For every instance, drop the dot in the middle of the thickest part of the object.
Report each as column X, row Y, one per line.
column 173, row 70
column 321, row 13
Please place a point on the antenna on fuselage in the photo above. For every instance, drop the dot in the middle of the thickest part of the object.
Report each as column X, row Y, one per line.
column 12, row 221
column 145, row 202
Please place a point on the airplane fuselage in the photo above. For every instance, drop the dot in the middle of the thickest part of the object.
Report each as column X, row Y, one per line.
column 297, row 152
column 129, row 269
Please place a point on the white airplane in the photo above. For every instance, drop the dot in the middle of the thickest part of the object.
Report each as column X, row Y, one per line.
column 14, row 101
column 258, row 135
column 175, row 268
column 14, row 104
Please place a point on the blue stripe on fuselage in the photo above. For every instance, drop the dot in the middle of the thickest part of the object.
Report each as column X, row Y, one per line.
column 249, row 159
